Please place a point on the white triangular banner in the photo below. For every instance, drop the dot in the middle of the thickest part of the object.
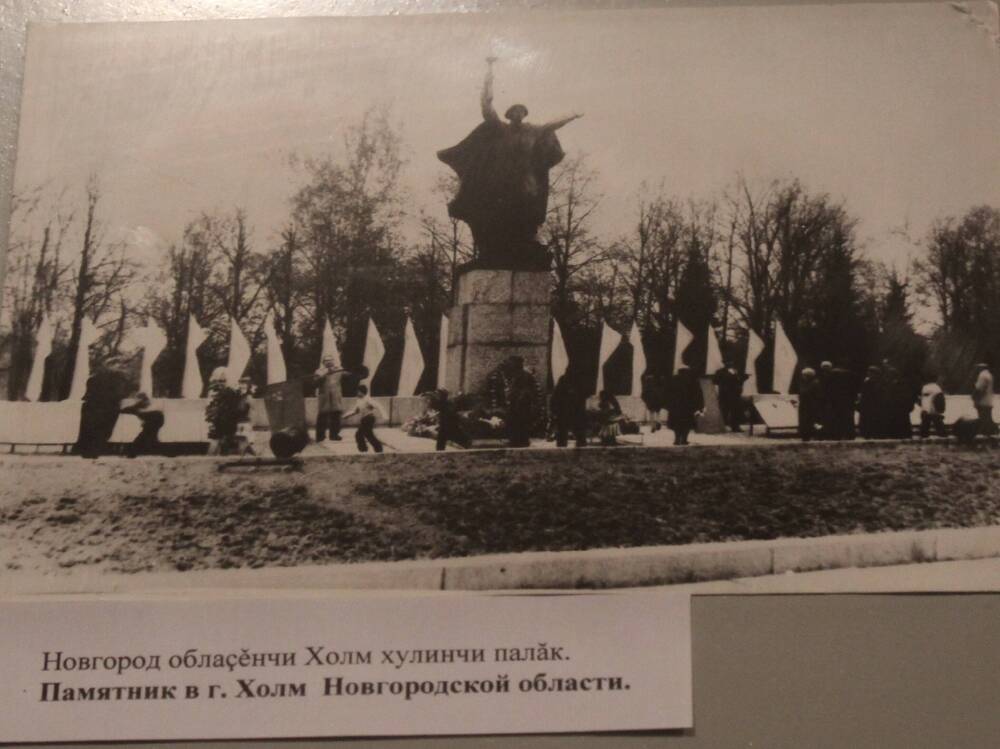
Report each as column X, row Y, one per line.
column 192, row 384
column 276, row 370
column 442, row 352
column 785, row 360
column 43, row 347
column 153, row 341
column 610, row 340
column 683, row 340
column 413, row 362
column 713, row 356
column 239, row 354
column 81, row 367
column 638, row 359
column 755, row 347
column 329, row 347
column 374, row 351
column 559, row 358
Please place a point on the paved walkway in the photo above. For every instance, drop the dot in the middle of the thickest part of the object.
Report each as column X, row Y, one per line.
column 396, row 440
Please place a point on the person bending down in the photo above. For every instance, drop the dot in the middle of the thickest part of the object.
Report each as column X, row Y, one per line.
column 367, row 409
column 151, row 419
column 449, row 423
column 610, row 415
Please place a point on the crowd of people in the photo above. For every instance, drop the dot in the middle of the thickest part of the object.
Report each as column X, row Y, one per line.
column 884, row 402
column 680, row 396
column 832, row 405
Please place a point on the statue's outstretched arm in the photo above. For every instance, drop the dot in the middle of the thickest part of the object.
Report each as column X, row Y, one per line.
column 556, row 124
column 489, row 113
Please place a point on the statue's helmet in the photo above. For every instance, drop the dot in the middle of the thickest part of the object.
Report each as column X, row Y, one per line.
column 516, row 112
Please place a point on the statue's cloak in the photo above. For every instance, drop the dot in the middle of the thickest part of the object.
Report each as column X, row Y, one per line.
column 503, row 173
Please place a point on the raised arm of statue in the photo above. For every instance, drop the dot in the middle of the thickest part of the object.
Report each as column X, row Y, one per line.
column 489, row 113
column 556, row 124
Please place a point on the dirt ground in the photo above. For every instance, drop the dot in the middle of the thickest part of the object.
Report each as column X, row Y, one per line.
column 57, row 513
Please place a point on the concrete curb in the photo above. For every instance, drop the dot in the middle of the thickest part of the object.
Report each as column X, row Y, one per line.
column 596, row 568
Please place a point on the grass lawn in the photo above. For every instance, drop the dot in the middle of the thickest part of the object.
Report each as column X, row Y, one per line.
column 56, row 513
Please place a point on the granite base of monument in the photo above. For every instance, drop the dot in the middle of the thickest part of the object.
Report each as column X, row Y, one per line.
column 710, row 421
column 497, row 314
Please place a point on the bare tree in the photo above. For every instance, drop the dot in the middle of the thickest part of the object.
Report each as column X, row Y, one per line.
column 282, row 286
column 35, row 274
column 665, row 268
column 346, row 217
column 782, row 236
column 450, row 238
column 960, row 270
column 182, row 290
column 959, row 274
column 101, row 275
column 572, row 201
column 796, row 259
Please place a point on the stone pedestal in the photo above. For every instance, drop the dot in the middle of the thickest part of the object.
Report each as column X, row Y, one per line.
column 710, row 422
column 497, row 314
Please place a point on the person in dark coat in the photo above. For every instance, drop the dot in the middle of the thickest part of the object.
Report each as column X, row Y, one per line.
column 106, row 388
column 513, row 395
column 871, row 404
column 449, row 423
column 899, row 401
column 569, row 411
column 811, row 404
column 839, row 397
column 151, row 420
column 610, row 415
column 522, row 404
column 654, row 396
column 684, row 402
column 729, row 384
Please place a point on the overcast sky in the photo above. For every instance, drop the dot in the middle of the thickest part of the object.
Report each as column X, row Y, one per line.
column 893, row 108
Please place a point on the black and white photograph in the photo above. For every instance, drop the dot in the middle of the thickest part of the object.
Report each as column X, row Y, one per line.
column 547, row 299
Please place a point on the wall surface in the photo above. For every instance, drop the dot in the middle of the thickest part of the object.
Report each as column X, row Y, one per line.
column 769, row 671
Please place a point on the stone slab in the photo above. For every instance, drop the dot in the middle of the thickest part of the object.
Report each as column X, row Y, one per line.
column 710, row 422
column 501, row 324
column 45, row 422
column 405, row 408
column 504, row 287
column 481, row 359
column 777, row 411
column 632, row 407
column 498, row 314
column 184, row 418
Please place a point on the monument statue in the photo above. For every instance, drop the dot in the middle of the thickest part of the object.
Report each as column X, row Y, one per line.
column 503, row 171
